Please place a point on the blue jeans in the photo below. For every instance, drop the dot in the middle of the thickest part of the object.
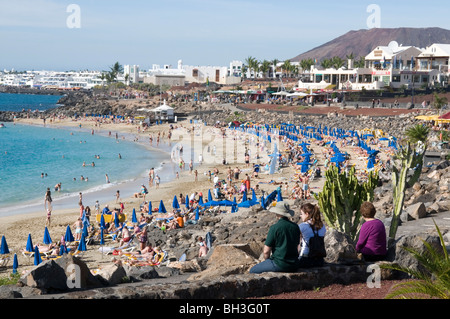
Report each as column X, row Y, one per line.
column 265, row 266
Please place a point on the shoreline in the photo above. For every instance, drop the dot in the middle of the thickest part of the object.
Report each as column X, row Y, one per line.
column 102, row 192
column 16, row 228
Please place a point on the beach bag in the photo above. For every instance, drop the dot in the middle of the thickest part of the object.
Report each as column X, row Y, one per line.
column 316, row 245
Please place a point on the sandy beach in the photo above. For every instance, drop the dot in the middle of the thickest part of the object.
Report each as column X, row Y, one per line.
column 205, row 139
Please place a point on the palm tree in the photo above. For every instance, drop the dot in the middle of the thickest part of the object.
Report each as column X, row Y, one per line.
column 434, row 282
column 274, row 67
column 306, row 64
column 115, row 70
column 250, row 62
column 361, row 63
column 417, row 133
column 326, row 63
column 264, row 67
column 287, row 66
column 439, row 102
column 337, row 62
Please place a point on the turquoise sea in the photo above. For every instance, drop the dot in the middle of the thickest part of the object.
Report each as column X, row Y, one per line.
column 34, row 157
column 19, row 102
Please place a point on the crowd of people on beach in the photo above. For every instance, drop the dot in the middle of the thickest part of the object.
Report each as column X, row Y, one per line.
column 232, row 182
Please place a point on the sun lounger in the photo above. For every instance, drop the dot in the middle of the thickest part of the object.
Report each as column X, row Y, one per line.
column 128, row 246
column 4, row 260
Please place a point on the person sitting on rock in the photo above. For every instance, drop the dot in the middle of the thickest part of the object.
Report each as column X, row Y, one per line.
column 372, row 236
column 281, row 246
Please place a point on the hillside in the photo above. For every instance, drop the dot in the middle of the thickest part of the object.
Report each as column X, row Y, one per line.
column 362, row 42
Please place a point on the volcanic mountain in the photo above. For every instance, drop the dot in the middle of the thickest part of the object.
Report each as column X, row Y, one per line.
column 362, row 42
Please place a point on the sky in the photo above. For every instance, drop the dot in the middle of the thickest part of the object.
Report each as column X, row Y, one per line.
column 94, row 34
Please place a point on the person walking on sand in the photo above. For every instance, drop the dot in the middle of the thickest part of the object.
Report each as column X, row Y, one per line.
column 49, row 214
column 48, row 197
column 157, row 181
column 117, row 196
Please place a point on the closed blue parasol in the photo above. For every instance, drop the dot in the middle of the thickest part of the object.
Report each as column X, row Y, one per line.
column 133, row 216
column 102, row 240
column 244, row 197
column 85, row 230
column 47, row 239
column 197, row 213
column 29, row 247
column 200, row 200
column 102, row 222
column 68, row 237
column 15, row 264
column 279, row 197
column 82, row 244
column 175, row 203
column 209, row 195
column 162, row 208
column 187, row 202
column 4, row 247
column 37, row 256
column 150, row 208
column 116, row 220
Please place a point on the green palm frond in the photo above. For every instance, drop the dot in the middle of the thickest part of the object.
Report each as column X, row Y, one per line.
column 433, row 281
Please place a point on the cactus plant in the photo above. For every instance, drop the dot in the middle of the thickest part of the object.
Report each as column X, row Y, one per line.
column 408, row 157
column 341, row 198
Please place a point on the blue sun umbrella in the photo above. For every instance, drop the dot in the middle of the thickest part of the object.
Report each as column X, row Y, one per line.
column 150, row 208
column 37, row 256
column 133, row 216
column 162, row 208
column 197, row 213
column 187, row 202
column 175, row 203
column 63, row 250
column 29, row 247
column 15, row 264
column 85, row 230
column 47, row 239
column 279, row 197
column 209, row 195
column 82, row 244
column 4, row 247
column 102, row 240
column 234, row 208
column 244, row 196
column 116, row 221
column 200, row 200
column 68, row 237
column 102, row 222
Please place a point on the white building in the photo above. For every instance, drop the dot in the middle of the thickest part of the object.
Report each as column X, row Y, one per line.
column 131, row 74
column 435, row 59
column 165, row 75
column 194, row 74
column 392, row 66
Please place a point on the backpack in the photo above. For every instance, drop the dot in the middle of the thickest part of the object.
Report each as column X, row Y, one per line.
column 316, row 245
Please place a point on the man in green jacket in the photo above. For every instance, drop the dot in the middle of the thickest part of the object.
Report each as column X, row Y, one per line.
column 281, row 245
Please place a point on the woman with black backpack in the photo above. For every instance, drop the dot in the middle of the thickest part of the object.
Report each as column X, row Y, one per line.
column 312, row 229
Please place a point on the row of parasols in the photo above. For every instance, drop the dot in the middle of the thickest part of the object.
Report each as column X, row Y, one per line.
column 69, row 238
